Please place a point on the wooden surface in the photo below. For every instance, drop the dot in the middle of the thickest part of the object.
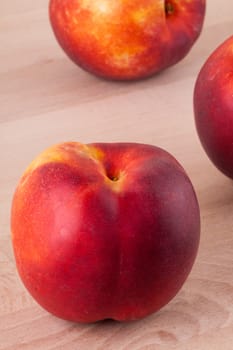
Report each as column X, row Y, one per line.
column 46, row 99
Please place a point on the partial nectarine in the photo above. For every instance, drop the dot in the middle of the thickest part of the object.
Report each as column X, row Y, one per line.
column 126, row 39
column 213, row 107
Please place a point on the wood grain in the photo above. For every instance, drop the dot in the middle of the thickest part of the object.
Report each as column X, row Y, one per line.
column 45, row 99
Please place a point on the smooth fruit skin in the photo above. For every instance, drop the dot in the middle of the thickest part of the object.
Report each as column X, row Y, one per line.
column 126, row 39
column 104, row 230
column 213, row 107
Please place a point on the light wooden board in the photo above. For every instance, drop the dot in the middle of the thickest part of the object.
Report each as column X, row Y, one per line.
column 46, row 99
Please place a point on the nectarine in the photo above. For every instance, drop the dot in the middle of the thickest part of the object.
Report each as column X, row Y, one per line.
column 104, row 230
column 126, row 39
column 213, row 107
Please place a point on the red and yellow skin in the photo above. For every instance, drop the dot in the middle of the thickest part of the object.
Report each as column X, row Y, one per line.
column 126, row 39
column 104, row 230
column 213, row 107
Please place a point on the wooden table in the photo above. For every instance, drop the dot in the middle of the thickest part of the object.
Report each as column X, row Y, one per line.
column 46, row 99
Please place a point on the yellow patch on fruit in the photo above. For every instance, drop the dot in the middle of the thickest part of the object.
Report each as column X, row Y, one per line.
column 93, row 152
column 122, row 60
column 50, row 155
column 144, row 15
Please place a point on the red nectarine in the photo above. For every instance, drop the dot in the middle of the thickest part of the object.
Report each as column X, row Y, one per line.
column 126, row 39
column 104, row 230
column 213, row 107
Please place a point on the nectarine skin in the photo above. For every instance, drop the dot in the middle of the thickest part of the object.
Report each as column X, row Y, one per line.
column 104, row 230
column 126, row 39
column 213, row 107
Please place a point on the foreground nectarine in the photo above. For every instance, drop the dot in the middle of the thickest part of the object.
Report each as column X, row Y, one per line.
column 213, row 107
column 126, row 39
column 104, row 230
